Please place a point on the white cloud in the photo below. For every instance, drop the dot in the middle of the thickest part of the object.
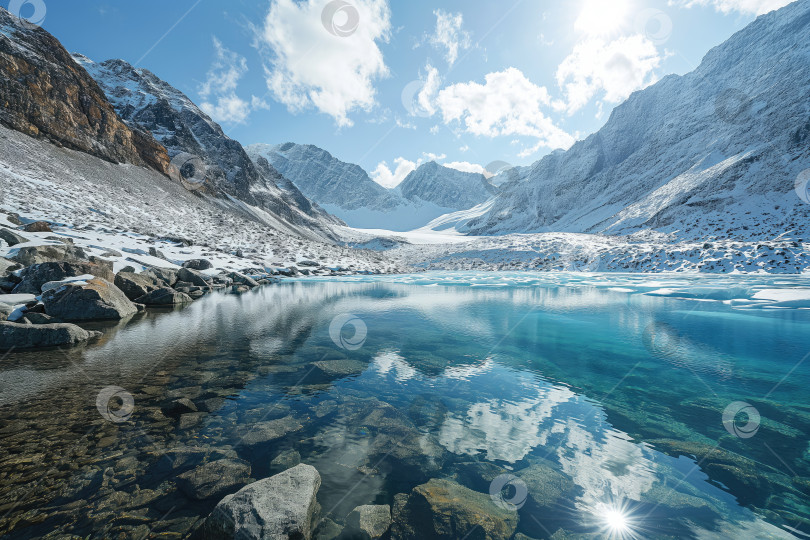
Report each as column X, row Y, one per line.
column 449, row 36
column 312, row 67
column 384, row 176
column 434, row 130
column 464, row 148
column 614, row 69
column 752, row 7
column 427, row 94
column 429, row 156
column 218, row 92
column 465, row 166
column 506, row 104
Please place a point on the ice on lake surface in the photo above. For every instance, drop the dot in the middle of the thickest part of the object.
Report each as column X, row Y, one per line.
column 601, row 397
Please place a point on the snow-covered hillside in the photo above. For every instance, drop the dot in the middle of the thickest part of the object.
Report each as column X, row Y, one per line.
column 101, row 206
column 347, row 191
column 715, row 152
column 145, row 101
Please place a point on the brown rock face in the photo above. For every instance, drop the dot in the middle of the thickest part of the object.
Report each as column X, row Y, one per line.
column 45, row 93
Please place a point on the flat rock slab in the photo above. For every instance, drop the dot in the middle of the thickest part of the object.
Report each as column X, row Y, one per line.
column 33, row 336
column 340, row 368
column 277, row 508
column 271, row 430
column 370, row 521
column 215, row 479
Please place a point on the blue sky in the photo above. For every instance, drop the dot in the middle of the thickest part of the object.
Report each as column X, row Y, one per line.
column 390, row 84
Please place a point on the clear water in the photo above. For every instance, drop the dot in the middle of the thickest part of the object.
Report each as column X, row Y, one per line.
column 615, row 386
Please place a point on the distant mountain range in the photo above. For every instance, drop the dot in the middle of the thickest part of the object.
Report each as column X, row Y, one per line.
column 347, row 191
column 714, row 153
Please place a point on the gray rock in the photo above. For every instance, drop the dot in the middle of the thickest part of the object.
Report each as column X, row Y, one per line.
column 307, row 263
column 167, row 275
column 444, row 509
column 369, row 521
column 277, row 508
column 215, row 479
column 97, row 300
column 157, row 253
column 5, row 311
column 193, row 276
column 10, row 237
column 270, row 430
column 40, row 318
column 340, row 368
column 50, row 253
column 164, row 297
column 137, row 285
column 13, row 218
column 30, row 336
column 286, row 460
column 198, row 264
column 242, row 279
column 37, row 275
column 180, row 406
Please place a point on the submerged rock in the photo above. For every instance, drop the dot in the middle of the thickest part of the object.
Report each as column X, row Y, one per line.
column 444, row 509
column 279, row 508
column 32, row 336
column 286, row 460
column 271, row 430
column 369, row 522
column 98, row 299
column 214, row 479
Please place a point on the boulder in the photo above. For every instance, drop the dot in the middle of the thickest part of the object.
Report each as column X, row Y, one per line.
column 7, row 266
column 242, row 279
column 10, row 237
column 277, row 508
column 31, row 336
column 137, row 285
column 193, row 276
column 98, row 299
column 40, row 318
column 13, row 218
column 35, row 276
column 198, row 264
column 167, row 275
column 49, row 253
column 164, row 296
column 369, row 521
column 215, row 479
column 445, row 509
column 157, row 253
column 38, row 226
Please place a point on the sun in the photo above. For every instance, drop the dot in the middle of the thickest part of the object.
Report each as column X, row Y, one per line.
column 602, row 17
column 616, row 522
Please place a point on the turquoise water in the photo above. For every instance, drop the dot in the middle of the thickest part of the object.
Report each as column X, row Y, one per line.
column 615, row 386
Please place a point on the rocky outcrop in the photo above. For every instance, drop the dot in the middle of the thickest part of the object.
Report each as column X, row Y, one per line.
column 32, row 336
column 277, row 508
column 445, row 509
column 37, row 275
column 46, row 94
column 194, row 277
column 98, row 299
column 10, row 237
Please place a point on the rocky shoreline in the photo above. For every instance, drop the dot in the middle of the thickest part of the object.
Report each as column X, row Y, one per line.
column 47, row 288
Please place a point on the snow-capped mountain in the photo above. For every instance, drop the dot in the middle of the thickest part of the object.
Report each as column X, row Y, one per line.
column 45, row 95
column 347, row 191
column 144, row 100
column 715, row 152
column 446, row 187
